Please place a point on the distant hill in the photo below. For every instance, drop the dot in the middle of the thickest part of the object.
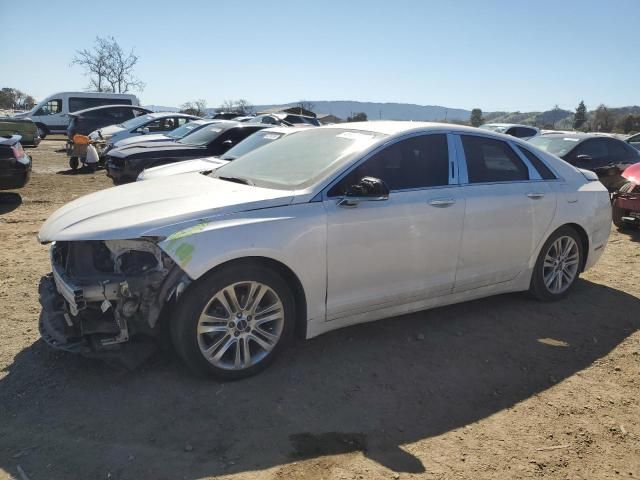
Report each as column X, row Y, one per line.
column 384, row 111
column 549, row 117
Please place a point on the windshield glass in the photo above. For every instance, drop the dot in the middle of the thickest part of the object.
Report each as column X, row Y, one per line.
column 252, row 142
column 185, row 129
column 136, row 122
column 300, row 160
column 555, row 144
column 202, row 136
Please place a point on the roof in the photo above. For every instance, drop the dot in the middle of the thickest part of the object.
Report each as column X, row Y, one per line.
column 285, row 130
column 172, row 114
column 392, row 127
column 508, row 125
column 103, row 107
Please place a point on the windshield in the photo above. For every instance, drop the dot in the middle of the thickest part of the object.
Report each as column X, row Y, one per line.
column 555, row 144
column 184, row 130
column 300, row 160
column 202, row 136
column 137, row 121
column 252, row 142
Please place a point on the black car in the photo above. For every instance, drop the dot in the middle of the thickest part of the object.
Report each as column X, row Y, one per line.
column 15, row 164
column 85, row 121
column 606, row 156
column 285, row 119
column 125, row 164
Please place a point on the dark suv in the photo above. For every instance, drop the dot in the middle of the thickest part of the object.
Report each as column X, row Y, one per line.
column 604, row 155
column 86, row 121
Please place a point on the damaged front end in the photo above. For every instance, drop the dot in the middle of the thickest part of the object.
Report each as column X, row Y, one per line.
column 101, row 295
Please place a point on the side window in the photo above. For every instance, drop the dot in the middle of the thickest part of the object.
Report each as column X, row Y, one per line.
column 521, row 132
column 490, row 160
column 180, row 121
column 543, row 170
column 50, row 108
column 161, row 125
column 413, row 163
column 596, row 148
column 617, row 150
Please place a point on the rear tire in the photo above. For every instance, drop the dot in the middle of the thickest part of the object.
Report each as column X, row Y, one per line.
column 42, row 131
column 558, row 266
column 74, row 162
column 231, row 340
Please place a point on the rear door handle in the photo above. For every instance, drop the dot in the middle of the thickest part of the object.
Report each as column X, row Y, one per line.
column 535, row 195
column 442, row 202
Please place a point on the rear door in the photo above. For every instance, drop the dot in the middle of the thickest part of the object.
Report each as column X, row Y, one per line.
column 508, row 210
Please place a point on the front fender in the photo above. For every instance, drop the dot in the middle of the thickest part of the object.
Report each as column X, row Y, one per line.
column 294, row 235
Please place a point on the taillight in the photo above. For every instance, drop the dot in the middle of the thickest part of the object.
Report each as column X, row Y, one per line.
column 18, row 151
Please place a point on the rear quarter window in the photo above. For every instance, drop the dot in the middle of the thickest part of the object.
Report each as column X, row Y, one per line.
column 544, row 171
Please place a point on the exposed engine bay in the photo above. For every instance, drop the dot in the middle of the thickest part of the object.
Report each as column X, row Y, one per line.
column 101, row 294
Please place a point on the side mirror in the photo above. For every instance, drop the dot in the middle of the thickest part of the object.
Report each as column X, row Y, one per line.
column 368, row 189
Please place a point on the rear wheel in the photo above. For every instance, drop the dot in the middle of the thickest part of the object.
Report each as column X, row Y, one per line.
column 233, row 322
column 558, row 265
column 42, row 131
column 74, row 162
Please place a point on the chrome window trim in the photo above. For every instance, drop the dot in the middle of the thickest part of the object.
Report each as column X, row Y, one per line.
column 533, row 173
column 462, row 161
column 550, row 167
column 388, row 144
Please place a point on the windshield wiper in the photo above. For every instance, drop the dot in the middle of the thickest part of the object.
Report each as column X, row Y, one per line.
column 243, row 181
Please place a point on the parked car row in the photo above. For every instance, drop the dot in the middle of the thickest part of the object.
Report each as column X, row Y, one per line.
column 236, row 258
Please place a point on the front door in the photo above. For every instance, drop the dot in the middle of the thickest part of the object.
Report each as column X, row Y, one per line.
column 400, row 250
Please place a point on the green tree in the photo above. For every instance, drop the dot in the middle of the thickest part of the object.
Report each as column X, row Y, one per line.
column 580, row 116
column 476, row 117
column 357, row 117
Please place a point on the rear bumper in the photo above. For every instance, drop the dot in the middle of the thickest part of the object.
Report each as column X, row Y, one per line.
column 15, row 177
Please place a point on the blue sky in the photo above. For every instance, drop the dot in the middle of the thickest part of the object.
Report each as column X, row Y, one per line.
column 492, row 54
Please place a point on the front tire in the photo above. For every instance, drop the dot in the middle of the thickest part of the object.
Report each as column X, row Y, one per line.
column 233, row 322
column 558, row 266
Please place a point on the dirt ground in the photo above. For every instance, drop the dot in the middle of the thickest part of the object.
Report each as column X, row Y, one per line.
column 499, row 388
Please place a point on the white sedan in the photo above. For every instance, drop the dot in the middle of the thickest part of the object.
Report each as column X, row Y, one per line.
column 330, row 227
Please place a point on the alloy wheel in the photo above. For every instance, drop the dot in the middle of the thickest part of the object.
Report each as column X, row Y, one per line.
column 240, row 325
column 561, row 263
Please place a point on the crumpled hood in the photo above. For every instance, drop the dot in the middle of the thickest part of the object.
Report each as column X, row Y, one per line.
column 138, row 209
column 632, row 173
column 154, row 137
column 187, row 166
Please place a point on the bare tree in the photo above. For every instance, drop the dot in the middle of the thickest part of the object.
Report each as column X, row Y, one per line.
column 108, row 66
column 227, row 106
column 244, row 106
column 240, row 107
column 95, row 62
column 195, row 107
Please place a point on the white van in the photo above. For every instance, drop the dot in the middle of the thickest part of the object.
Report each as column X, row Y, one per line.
column 51, row 114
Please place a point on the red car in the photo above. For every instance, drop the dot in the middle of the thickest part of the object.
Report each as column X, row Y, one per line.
column 626, row 201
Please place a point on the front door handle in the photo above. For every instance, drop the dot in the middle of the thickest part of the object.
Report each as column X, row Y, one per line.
column 535, row 195
column 442, row 202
